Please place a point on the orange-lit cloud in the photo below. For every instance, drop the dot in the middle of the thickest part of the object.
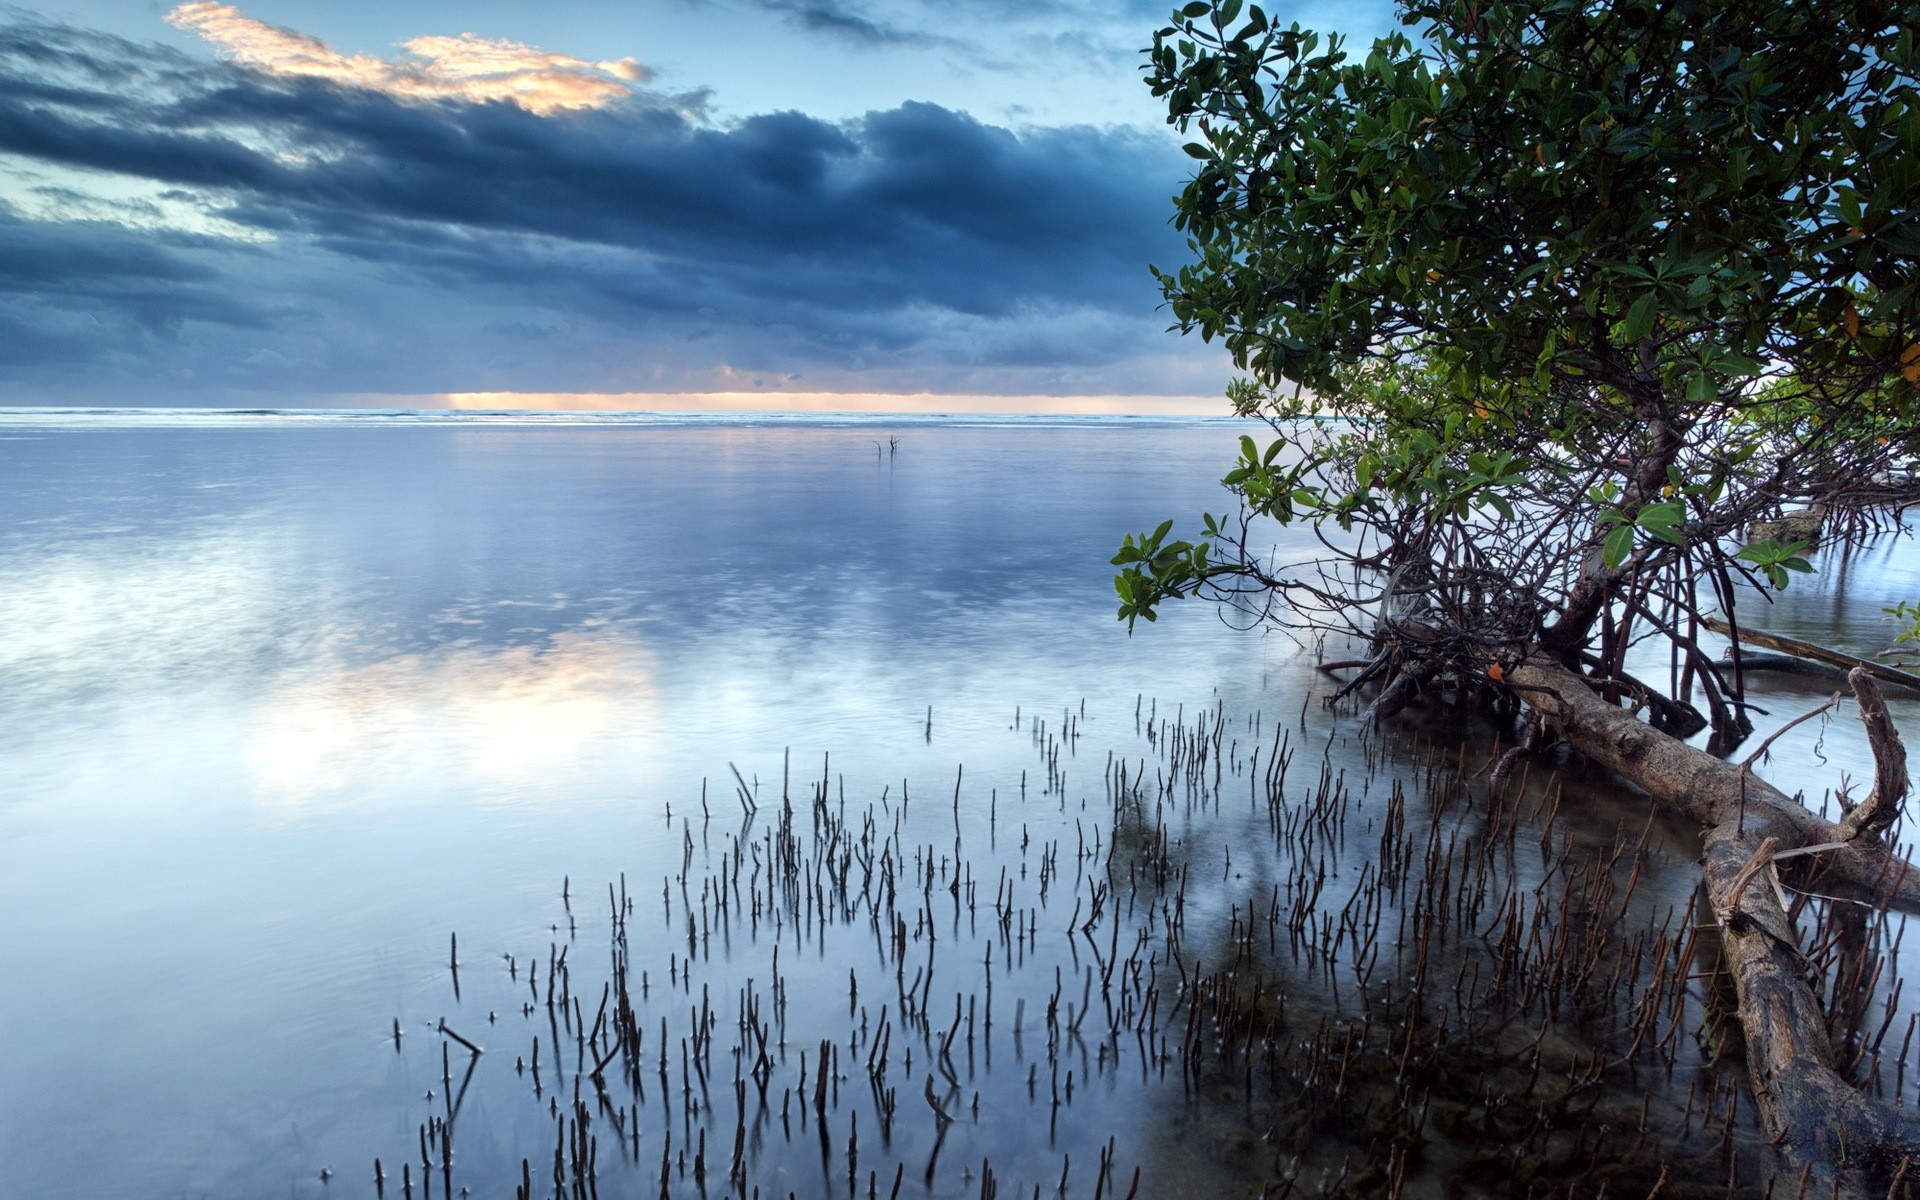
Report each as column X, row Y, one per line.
column 828, row 402
column 466, row 67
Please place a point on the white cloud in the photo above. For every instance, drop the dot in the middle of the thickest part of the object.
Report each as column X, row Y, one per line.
column 466, row 67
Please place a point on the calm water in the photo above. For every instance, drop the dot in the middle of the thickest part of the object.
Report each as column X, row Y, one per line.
column 284, row 703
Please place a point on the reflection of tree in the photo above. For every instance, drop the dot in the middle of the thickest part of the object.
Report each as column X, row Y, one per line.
column 1423, row 999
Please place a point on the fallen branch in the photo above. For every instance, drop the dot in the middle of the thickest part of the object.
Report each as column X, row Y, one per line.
column 1345, row 664
column 1783, row 664
column 1694, row 784
column 1803, row 1100
column 1800, row 649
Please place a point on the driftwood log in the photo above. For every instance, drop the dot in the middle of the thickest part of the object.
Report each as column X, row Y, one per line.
column 1805, row 1103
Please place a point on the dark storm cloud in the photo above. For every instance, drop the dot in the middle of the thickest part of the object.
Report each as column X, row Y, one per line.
column 838, row 17
column 838, row 20
column 89, row 291
column 911, row 231
column 1111, row 34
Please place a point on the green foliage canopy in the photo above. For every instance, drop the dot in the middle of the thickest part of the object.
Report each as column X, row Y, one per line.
column 1545, row 303
column 1660, row 197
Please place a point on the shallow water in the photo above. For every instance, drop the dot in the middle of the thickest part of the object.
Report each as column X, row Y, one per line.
column 288, row 702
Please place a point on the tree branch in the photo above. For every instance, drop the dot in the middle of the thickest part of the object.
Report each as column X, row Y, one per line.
column 1882, row 805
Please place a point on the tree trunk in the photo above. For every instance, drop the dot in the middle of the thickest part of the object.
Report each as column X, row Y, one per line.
column 1805, row 1104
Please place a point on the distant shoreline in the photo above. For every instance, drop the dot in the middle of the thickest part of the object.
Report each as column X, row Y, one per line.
column 37, row 417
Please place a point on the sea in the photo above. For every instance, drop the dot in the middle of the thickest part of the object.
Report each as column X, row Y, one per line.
column 323, row 734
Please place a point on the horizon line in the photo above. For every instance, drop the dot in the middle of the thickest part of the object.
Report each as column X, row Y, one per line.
column 972, row 403
column 690, row 403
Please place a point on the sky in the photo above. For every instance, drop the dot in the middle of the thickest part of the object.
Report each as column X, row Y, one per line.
column 736, row 204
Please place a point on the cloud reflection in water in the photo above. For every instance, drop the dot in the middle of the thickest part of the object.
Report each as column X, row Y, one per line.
column 487, row 721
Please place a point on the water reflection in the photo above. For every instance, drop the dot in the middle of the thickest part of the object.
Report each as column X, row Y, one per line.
column 284, row 707
column 487, row 721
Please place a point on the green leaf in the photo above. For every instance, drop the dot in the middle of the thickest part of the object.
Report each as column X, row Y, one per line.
column 1663, row 521
column 1619, row 545
column 1638, row 322
column 1909, row 616
column 1365, row 470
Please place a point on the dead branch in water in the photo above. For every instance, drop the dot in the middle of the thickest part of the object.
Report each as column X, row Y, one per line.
column 1808, row 650
column 1805, row 1102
